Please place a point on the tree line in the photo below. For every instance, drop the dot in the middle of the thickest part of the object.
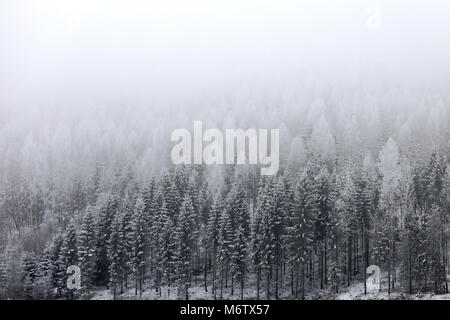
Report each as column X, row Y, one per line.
column 317, row 225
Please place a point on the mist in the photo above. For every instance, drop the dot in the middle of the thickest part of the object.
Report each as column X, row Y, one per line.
column 78, row 54
column 356, row 93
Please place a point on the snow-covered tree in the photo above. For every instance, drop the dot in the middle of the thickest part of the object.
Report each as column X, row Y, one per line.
column 184, row 239
column 87, row 252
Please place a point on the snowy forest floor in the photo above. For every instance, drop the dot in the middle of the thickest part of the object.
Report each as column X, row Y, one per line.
column 356, row 292
column 197, row 292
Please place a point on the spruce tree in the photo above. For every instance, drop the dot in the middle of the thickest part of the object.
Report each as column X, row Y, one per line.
column 108, row 210
column 138, row 245
column 126, row 236
column 213, row 238
column 30, row 273
column 115, row 254
column 68, row 256
column 87, row 253
column 184, row 237
column 238, row 229
column 301, row 229
column 161, row 254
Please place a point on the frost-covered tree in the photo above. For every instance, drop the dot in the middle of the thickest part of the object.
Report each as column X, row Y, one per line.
column 30, row 273
column 109, row 208
column 184, row 239
column 138, row 245
column 389, row 202
column 86, row 252
column 301, row 227
column 115, row 254
column 68, row 256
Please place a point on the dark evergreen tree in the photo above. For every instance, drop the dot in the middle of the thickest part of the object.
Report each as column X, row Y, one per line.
column 138, row 245
column 184, row 239
column 68, row 256
column 115, row 255
column 212, row 236
column 87, row 253
column 301, row 229
column 30, row 273
column 108, row 210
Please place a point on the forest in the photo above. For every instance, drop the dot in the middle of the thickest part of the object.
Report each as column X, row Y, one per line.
column 355, row 188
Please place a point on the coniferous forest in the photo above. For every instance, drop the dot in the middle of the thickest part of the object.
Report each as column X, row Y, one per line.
column 94, row 207
column 311, row 231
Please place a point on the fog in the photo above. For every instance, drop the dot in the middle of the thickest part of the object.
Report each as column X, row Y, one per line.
column 83, row 53
column 355, row 95
column 84, row 82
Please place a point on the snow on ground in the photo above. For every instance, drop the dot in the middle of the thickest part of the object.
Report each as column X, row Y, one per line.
column 356, row 292
column 197, row 292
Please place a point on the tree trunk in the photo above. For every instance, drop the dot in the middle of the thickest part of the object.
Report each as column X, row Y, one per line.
column 303, row 281
column 325, row 267
column 364, row 264
column 410, row 268
column 276, row 282
column 349, row 259
column 292, row 280
column 296, row 280
column 137, row 285
column 257, row 283
column 214, row 288
column 232, row 284
column 242, row 285
column 221, row 283
column 205, row 274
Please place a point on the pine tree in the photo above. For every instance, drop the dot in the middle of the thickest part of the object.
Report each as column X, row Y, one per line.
column 171, row 195
column 334, row 234
column 184, row 237
column 30, row 273
column 280, row 215
column 54, row 266
column 348, row 217
column 168, row 252
column 149, row 196
column 239, row 257
column 334, row 277
column 3, row 277
column 363, row 209
column 435, row 186
column 301, row 232
column 138, row 245
column 224, row 247
column 269, row 236
column 238, row 230
column 42, row 284
column 213, row 237
column 322, row 221
column 68, row 256
column 108, row 210
column 126, row 236
column 115, row 254
column 389, row 200
column 158, row 229
column 87, row 253
column 204, row 204
column 264, row 236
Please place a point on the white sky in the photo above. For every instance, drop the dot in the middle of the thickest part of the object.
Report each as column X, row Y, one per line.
column 97, row 51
